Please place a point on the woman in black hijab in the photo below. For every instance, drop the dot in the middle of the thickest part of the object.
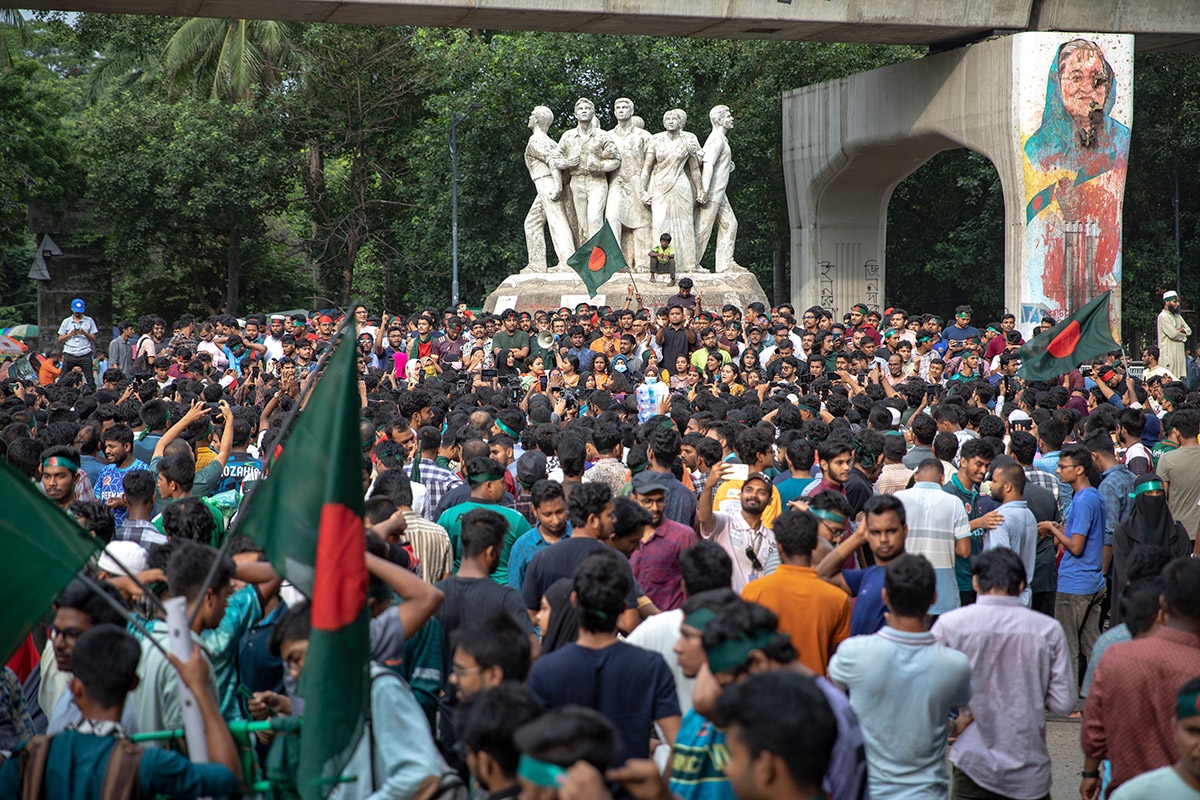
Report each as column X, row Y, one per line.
column 1150, row 522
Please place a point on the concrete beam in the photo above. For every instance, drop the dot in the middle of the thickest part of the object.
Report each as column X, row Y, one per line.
column 913, row 22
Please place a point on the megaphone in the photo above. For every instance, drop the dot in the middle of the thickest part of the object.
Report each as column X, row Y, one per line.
column 545, row 340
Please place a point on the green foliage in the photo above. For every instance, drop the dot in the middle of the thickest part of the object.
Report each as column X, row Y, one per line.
column 323, row 171
column 181, row 192
column 945, row 239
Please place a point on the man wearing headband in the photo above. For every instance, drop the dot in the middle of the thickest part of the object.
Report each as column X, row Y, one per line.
column 936, row 520
column 884, row 529
column 557, row 741
column 743, row 641
column 1173, row 334
column 1182, row 779
column 903, row 686
column 1135, row 690
column 60, row 472
column 486, row 479
column 1019, row 671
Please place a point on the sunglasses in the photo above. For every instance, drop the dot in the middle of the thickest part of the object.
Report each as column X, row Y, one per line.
column 755, row 564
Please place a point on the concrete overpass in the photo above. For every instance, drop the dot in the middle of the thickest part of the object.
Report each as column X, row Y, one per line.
column 1157, row 24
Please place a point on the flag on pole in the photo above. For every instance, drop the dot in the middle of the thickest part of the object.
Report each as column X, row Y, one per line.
column 598, row 260
column 47, row 549
column 1080, row 337
column 307, row 515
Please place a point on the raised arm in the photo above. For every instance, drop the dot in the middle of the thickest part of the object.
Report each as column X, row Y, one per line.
column 421, row 599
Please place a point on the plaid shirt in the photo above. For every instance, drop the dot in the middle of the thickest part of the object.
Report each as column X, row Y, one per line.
column 437, row 481
column 699, row 480
column 140, row 531
column 524, row 505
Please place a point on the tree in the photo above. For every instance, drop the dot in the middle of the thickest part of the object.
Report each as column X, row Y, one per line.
column 182, row 193
column 229, row 59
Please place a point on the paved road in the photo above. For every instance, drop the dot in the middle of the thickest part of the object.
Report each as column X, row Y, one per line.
column 1062, row 737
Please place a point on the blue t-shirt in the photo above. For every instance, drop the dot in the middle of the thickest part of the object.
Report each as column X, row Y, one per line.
column 1081, row 574
column 239, row 468
column 110, row 484
column 630, row 686
column 791, row 488
column 866, row 586
column 953, row 333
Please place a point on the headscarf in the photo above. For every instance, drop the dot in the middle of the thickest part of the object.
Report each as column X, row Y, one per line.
column 1150, row 521
column 563, row 627
column 503, row 370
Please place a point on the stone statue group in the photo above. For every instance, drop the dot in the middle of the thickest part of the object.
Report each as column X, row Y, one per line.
column 644, row 184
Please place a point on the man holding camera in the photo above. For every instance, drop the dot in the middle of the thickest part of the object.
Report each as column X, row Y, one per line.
column 77, row 333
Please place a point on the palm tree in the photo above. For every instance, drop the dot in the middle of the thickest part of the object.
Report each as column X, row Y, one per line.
column 228, row 58
column 11, row 20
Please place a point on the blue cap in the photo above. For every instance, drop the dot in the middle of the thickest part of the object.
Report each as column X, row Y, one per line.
column 77, row 306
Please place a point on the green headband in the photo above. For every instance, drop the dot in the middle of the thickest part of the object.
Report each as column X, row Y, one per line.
column 700, row 618
column 507, row 429
column 1148, row 486
column 731, row 654
column 484, row 477
column 540, row 773
column 809, row 409
column 60, row 461
column 1187, row 705
column 828, row 516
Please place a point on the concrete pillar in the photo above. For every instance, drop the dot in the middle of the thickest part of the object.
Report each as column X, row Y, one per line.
column 849, row 142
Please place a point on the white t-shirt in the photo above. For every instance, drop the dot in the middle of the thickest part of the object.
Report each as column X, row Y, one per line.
column 78, row 345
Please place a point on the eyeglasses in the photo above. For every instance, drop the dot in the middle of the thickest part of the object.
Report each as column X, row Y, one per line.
column 69, row 634
column 460, row 670
column 755, row 564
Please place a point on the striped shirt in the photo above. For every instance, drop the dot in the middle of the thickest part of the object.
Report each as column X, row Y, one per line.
column 936, row 520
column 431, row 545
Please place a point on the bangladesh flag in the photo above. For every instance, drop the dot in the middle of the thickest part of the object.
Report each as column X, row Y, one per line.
column 48, row 547
column 1078, row 338
column 307, row 515
column 598, row 260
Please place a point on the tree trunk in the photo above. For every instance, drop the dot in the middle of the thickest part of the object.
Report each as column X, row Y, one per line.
column 235, row 266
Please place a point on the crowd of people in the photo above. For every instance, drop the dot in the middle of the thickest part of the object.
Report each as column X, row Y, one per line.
column 847, row 557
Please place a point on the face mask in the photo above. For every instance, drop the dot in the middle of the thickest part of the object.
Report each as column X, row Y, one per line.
column 620, row 366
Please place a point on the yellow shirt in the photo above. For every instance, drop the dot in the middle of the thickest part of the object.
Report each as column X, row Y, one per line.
column 726, row 500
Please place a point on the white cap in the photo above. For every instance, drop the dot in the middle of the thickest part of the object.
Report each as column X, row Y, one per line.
column 1170, row 295
column 1018, row 416
column 895, row 416
column 122, row 558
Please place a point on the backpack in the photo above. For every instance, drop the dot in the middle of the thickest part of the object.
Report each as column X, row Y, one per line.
column 120, row 776
column 447, row 786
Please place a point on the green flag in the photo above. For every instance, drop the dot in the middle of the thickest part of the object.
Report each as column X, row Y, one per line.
column 598, row 260
column 1080, row 337
column 47, row 547
column 307, row 515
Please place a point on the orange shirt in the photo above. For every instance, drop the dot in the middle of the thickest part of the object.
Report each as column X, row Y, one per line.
column 48, row 373
column 815, row 614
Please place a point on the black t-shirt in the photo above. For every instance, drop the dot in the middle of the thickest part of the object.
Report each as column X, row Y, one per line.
column 675, row 344
column 470, row 599
column 630, row 686
column 560, row 560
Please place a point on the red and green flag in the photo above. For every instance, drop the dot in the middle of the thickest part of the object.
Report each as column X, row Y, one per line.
column 598, row 260
column 48, row 548
column 307, row 515
column 1080, row 337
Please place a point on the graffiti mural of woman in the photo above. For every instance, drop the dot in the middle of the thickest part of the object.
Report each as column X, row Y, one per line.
column 1075, row 165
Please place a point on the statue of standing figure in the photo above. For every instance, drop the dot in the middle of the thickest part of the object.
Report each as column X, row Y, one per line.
column 713, row 202
column 671, row 175
column 627, row 215
column 589, row 154
column 549, row 207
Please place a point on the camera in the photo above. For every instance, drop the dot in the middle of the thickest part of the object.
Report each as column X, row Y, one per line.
column 515, row 392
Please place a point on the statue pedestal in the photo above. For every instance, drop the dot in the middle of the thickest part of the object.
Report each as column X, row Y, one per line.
column 549, row 291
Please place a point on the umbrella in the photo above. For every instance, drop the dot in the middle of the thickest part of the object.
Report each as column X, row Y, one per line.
column 11, row 347
column 22, row 331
